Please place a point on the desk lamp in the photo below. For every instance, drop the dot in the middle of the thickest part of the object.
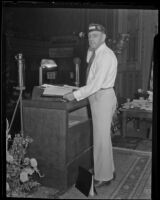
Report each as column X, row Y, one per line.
column 45, row 63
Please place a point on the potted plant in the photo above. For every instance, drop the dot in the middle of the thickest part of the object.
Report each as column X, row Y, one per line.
column 20, row 168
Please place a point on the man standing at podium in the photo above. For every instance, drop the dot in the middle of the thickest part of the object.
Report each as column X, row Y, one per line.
column 101, row 75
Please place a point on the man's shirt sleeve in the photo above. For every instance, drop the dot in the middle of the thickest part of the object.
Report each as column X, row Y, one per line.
column 102, row 67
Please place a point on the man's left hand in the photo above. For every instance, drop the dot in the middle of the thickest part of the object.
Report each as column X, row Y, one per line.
column 69, row 96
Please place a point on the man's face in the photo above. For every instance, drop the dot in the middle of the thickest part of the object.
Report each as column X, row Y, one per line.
column 95, row 38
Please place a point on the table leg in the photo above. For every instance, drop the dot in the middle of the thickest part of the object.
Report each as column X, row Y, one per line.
column 124, row 124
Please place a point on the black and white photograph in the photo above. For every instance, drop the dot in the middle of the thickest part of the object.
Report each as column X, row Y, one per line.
column 78, row 100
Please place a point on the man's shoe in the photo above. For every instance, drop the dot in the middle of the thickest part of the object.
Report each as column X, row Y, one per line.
column 101, row 183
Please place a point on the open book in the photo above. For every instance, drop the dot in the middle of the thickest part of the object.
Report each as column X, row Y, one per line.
column 54, row 90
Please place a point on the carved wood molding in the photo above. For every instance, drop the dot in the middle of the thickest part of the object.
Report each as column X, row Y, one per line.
column 65, row 40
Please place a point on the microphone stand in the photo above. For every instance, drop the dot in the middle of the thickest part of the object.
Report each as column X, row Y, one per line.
column 77, row 62
column 20, row 87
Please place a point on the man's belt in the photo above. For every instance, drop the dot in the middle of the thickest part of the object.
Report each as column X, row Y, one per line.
column 107, row 88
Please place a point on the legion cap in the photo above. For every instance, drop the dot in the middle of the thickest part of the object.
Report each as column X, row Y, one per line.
column 96, row 27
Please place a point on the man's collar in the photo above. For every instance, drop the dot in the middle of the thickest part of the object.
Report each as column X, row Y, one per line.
column 102, row 46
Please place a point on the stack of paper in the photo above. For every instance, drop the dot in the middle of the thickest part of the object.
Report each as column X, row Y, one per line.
column 54, row 90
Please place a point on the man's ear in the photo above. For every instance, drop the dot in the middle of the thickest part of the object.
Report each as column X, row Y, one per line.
column 104, row 37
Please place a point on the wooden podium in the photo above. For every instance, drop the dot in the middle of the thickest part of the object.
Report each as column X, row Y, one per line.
column 62, row 138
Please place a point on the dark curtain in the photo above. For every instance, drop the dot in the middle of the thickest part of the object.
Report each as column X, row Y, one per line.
column 49, row 22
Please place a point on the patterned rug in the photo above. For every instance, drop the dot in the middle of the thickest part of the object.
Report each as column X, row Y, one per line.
column 136, row 143
column 133, row 176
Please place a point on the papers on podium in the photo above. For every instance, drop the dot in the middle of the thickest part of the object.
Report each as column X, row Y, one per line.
column 55, row 90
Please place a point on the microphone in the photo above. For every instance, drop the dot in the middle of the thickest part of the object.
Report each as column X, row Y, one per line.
column 81, row 35
column 77, row 62
column 20, row 59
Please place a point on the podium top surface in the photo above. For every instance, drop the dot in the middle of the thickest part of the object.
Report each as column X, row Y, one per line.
column 69, row 106
column 52, row 102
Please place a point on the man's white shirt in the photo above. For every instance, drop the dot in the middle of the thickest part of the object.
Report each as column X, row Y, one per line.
column 102, row 73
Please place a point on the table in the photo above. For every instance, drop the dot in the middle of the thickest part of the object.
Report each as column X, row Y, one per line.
column 137, row 113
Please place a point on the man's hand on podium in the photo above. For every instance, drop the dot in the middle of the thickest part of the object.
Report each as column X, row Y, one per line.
column 69, row 96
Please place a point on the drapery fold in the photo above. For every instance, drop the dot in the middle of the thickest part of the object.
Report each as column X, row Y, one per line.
column 148, row 37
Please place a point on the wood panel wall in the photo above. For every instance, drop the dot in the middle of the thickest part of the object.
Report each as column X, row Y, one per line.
column 134, row 63
column 35, row 50
column 127, row 83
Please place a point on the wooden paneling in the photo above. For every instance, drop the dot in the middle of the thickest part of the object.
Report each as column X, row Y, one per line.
column 80, row 142
column 127, row 83
column 35, row 50
column 39, row 47
column 133, row 29
column 59, row 148
column 149, row 27
column 134, row 61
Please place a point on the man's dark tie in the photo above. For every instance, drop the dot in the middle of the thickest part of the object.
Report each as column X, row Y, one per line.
column 89, row 64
